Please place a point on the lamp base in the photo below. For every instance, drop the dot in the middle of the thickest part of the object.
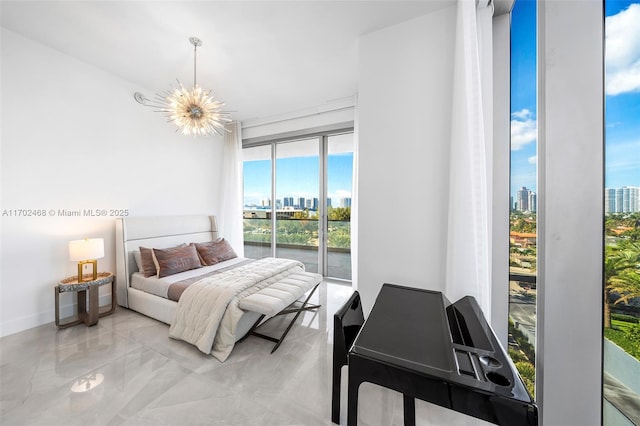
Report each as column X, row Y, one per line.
column 95, row 270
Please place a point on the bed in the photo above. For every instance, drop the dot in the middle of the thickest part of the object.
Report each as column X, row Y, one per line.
column 255, row 290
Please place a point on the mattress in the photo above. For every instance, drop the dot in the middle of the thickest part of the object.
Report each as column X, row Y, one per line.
column 160, row 286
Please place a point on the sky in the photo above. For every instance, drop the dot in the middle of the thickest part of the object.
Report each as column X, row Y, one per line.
column 622, row 86
column 622, row 100
column 523, row 96
column 298, row 177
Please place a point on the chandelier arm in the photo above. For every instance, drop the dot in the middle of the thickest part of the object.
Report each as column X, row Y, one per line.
column 195, row 49
column 193, row 111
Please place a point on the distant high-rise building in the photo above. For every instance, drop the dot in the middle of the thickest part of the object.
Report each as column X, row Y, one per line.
column 622, row 200
column 630, row 198
column 309, row 203
column 533, row 202
column 288, row 201
column 619, row 197
column 347, row 202
column 301, row 203
column 609, row 200
column 626, row 199
column 522, row 202
column 266, row 202
column 328, row 202
column 315, row 204
column 278, row 204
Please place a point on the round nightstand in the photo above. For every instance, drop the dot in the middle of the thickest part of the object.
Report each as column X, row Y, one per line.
column 88, row 313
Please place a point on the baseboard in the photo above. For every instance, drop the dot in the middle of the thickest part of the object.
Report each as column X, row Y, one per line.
column 17, row 325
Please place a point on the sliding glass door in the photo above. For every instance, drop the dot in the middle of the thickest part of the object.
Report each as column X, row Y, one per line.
column 297, row 185
column 621, row 340
column 302, row 189
column 523, row 235
column 257, row 167
column 339, row 189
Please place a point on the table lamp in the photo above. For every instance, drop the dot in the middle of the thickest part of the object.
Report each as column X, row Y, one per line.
column 86, row 252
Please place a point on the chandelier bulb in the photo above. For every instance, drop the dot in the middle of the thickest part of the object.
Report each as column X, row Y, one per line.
column 194, row 111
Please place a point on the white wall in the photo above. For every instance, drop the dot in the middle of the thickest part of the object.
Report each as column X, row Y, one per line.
column 570, row 212
column 404, row 120
column 74, row 138
column 330, row 115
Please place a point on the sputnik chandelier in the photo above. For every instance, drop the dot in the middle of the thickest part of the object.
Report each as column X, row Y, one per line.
column 194, row 111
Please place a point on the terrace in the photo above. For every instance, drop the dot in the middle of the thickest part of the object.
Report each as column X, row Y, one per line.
column 299, row 239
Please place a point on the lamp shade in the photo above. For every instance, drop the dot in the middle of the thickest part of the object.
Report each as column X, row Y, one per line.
column 87, row 249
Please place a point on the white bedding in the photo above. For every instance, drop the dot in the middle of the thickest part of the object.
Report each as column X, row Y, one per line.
column 208, row 311
column 160, row 286
column 149, row 296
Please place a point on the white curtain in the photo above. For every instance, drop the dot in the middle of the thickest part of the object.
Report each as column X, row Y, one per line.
column 468, row 239
column 230, row 221
column 354, row 200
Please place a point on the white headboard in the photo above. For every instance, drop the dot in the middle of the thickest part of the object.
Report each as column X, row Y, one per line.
column 155, row 232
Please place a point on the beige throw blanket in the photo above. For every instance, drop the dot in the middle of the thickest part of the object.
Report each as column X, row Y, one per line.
column 208, row 312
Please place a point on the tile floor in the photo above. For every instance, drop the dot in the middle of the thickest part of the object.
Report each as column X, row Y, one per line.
column 146, row 378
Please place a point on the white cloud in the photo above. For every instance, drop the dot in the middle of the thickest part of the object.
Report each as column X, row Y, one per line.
column 524, row 129
column 622, row 47
column 522, row 115
column 533, row 160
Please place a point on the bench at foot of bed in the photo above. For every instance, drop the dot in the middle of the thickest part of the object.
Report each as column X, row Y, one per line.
column 280, row 299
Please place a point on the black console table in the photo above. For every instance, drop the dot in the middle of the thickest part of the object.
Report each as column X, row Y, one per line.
column 416, row 342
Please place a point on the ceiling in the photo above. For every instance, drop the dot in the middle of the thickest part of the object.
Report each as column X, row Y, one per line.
column 260, row 57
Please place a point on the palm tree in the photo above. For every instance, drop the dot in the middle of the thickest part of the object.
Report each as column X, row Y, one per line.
column 627, row 285
column 619, row 262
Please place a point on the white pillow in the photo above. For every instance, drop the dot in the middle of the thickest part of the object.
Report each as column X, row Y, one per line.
column 138, row 259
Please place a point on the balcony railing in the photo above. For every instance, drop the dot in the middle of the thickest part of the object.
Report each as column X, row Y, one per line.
column 298, row 239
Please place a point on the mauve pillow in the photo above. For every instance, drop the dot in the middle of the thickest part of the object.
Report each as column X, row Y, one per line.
column 177, row 259
column 147, row 265
column 213, row 252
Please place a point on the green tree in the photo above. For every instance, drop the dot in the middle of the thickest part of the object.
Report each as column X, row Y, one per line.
column 621, row 275
column 528, row 374
column 632, row 234
column 626, row 284
column 521, row 222
column 304, row 214
column 614, row 222
column 342, row 214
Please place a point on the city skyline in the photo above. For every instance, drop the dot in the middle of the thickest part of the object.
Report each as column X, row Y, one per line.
column 622, row 200
column 300, row 203
column 297, row 177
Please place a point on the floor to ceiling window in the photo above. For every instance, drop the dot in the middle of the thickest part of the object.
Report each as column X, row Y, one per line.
column 338, row 218
column 621, row 346
column 257, row 201
column 301, row 188
column 297, row 174
column 522, row 229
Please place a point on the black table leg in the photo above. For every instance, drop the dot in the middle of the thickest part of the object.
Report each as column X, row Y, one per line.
column 352, row 396
column 409, row 410
column 335, row 391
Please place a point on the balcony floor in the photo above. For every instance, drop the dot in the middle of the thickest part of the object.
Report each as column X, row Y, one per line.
column 339, row 263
